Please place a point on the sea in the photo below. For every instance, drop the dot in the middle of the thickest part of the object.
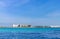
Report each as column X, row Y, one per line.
column 29, row 33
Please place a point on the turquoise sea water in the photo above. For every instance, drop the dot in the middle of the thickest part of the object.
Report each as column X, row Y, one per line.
column 29, row 33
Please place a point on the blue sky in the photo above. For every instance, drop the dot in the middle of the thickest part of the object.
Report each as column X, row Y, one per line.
column 35, row 12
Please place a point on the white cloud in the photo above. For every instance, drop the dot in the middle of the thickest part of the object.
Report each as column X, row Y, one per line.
column 24, row 1
column 6, row 18
column 54, row 14
column 7, row 3
column 45, row 21
column 20, row 2
column 2, row 4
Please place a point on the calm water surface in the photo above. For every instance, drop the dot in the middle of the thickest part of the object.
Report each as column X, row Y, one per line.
column 29, row 33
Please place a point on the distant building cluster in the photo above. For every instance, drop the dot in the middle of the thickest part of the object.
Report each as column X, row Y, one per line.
column 21, row 25
column 29, row 26
column 56, row 26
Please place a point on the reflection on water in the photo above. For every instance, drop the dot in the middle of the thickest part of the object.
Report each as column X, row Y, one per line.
column 51, row 34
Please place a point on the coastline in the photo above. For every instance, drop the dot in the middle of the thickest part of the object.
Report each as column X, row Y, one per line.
column 28, row 27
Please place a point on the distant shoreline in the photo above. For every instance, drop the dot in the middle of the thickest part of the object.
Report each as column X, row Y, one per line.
column 26, row 27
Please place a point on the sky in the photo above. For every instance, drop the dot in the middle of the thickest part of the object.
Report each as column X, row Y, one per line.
column 34, row 12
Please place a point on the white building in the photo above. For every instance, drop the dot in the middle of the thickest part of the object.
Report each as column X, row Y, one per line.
column 21, row 25
column 15, row 25
column 56, row 26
